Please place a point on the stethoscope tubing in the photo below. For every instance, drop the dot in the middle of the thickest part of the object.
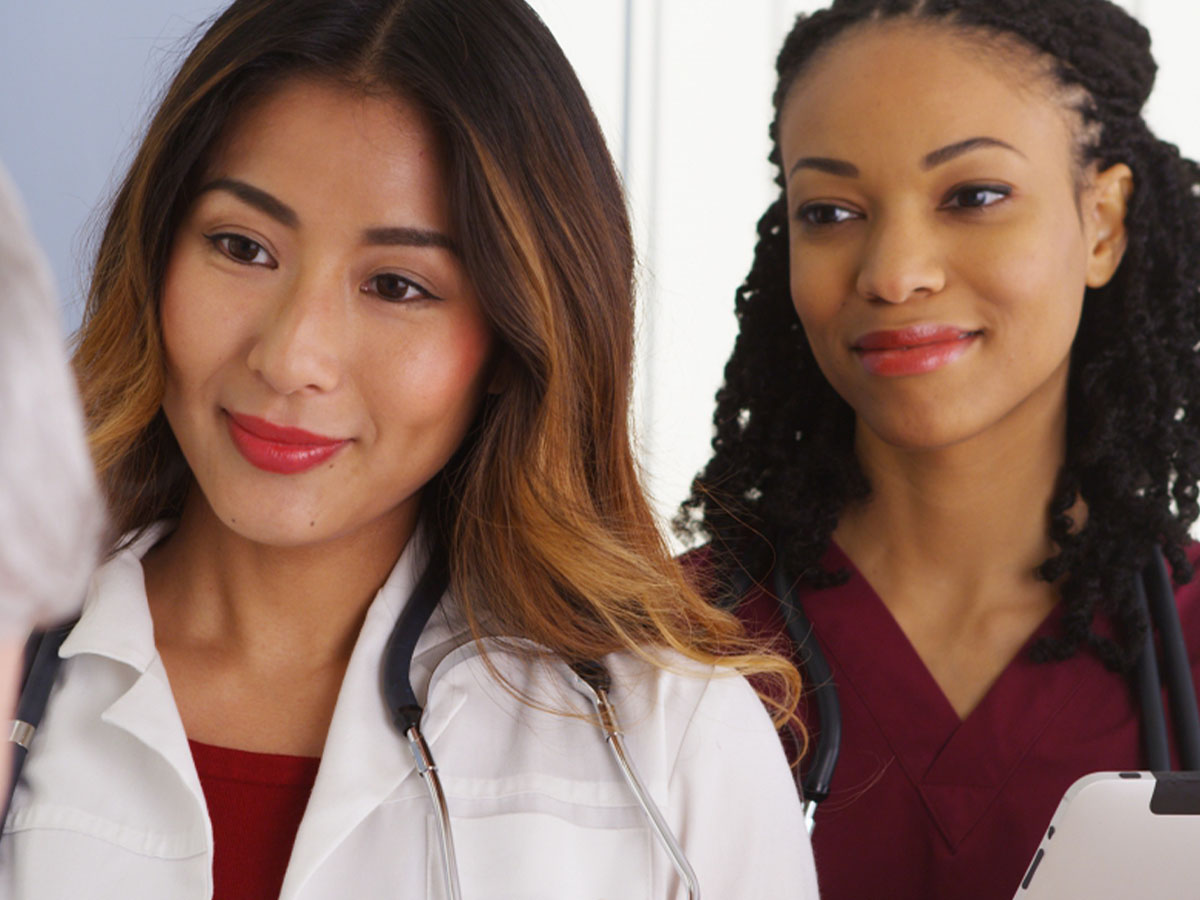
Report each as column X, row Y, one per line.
column 405, row 711
column 1155, row 596
column 427, row 769
column 816, row 780
column 1148, row 690
column 41, row 665
column 607, row 717
column 1181, row 690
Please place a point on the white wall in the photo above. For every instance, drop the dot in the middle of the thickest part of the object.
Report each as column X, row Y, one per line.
column 681, row 87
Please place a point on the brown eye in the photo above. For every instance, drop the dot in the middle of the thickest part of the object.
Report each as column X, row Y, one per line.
column 395, row 288
column 977, row 196
column 242, row 249
column 819, row 215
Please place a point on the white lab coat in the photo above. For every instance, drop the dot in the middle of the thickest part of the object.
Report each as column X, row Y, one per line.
column 110, row 805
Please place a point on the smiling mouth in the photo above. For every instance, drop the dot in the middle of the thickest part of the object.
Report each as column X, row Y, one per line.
column 914, row 350
column 277, row 448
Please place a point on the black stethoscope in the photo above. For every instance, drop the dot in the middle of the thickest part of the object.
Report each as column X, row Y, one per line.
column 590, row 678
column 404, row 709
column 1156, row 598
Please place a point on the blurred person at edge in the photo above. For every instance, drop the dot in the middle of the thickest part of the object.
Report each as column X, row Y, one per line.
column 51, row 512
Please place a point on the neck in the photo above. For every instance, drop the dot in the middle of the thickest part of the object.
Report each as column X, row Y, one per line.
column 968, row 522
column 209, row 585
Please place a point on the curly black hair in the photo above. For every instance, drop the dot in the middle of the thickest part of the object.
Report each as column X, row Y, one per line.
column 783, row 466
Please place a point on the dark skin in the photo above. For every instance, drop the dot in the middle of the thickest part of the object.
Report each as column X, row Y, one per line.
column 953, row 200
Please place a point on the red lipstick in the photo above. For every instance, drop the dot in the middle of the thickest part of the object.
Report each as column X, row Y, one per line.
column 913, row 350
column 276, row 448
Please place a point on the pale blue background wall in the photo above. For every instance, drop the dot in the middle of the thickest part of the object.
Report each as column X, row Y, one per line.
column 77, row 77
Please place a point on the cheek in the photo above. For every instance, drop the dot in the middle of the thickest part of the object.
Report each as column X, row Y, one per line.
column 180, row 331
column 192, row 329
column 205, row 323
column 805, row 287
column 819, row 283
column 1038, row 280
column 438, row 380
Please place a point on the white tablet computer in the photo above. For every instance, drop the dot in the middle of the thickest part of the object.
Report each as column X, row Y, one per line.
column 1121, row 835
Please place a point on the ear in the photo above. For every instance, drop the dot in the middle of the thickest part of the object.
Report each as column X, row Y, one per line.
column 1105, row 202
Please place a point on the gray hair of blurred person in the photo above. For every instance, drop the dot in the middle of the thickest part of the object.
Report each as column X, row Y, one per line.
column 51, row 512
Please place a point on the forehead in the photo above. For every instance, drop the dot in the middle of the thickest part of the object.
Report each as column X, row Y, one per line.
column 896, row 88
column 326, row 147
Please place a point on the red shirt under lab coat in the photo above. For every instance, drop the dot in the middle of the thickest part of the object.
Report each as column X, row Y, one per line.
column 924, row 805
column 255, row 802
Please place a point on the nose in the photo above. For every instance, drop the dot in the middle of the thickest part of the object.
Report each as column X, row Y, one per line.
column 300, row 343
column 900, row 261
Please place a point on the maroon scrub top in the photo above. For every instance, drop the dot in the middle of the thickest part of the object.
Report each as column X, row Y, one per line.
column 924, row 805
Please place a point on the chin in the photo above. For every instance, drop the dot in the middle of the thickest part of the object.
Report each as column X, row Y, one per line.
column 918, row 430
column 281, row 533
column 276, row 524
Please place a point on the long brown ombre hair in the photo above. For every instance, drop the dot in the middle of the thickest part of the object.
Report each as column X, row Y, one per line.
column 549, row 535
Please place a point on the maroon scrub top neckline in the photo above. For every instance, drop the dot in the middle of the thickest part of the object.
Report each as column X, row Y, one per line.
column 937, row 751
column 924, row 806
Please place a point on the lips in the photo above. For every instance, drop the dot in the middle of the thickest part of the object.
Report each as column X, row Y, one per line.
column 279, row 449
column 913, row 350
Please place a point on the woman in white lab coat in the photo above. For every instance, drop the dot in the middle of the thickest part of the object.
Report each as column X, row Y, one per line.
column 364, row 300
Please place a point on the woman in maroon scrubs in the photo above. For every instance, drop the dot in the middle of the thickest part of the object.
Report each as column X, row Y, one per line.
column 961, row 413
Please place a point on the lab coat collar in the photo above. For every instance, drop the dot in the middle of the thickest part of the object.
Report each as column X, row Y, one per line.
column 365, row 760
column 116, row 624
column 116, row 619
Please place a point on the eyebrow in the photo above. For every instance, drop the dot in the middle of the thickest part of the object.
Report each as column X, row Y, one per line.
column 256, row 197
column 272, row 206
column 825, row 164
column 932, row 160
column 408, row 237
column 949, row 152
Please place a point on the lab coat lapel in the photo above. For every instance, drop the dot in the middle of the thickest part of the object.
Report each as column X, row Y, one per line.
column 116, row 624
column 364, row 759
column 148, row 712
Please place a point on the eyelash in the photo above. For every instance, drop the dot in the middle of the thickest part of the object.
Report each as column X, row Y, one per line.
column 407, row 283
column 808, row 213
column 223, row 241
column 1002, row 192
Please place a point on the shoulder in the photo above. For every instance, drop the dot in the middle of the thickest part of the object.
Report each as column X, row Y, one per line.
column 698, row 559
column 725, row 774
column 689, row 701
column 710, row 732
column 665, row 701
column 704, row 569
column 115, row 621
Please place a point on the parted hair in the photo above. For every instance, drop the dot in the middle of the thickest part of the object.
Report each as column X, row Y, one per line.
column 783, row 466
column 548, row 532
